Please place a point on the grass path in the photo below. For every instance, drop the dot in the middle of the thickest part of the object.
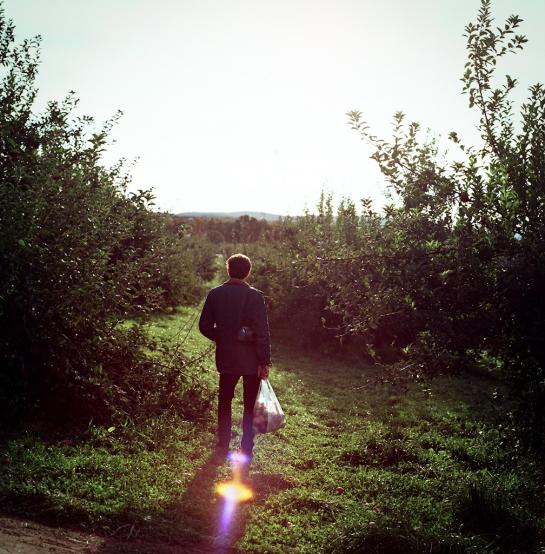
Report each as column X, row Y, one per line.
column 358, row 467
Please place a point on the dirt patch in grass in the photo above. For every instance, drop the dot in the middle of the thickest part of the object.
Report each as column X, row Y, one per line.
column 28, row 537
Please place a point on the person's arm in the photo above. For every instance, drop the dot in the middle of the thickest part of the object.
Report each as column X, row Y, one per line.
column 260, row 327
column 207, row 320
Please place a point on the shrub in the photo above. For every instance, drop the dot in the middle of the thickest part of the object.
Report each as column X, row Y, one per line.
column 451, row 272
column 77, row 253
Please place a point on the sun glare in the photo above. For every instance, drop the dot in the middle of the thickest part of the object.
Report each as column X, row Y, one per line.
column 234, row 491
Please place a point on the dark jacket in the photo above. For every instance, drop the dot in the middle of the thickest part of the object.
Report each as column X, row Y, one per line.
column 225, row 310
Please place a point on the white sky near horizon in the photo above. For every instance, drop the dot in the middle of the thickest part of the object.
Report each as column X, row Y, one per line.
column 241, row 105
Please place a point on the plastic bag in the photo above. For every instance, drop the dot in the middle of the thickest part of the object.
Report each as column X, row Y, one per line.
column 268, row 415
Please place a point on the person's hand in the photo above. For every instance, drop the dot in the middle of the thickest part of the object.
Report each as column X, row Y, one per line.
column 263, row 371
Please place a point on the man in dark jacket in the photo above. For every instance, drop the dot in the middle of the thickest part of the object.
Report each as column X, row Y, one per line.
column 234, row 316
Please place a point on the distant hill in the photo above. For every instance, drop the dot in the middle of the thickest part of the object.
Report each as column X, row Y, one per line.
column 232, row 215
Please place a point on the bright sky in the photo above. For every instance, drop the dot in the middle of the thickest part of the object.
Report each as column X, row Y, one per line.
column 240, row 105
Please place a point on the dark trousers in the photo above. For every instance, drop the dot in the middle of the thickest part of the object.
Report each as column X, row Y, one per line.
column 228, row 383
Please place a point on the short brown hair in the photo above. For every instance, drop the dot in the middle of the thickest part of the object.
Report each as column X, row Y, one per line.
column 239, row 266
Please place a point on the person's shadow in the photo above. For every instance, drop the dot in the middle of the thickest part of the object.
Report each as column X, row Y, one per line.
column 214, row 521
column 199, row 521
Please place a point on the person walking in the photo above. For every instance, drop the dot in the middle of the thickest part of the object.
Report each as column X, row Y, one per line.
column 234, row 316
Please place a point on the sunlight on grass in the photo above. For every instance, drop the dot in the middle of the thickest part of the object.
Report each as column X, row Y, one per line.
column 351, row 470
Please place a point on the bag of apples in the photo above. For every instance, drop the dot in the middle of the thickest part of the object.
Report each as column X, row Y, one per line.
column 268, row 415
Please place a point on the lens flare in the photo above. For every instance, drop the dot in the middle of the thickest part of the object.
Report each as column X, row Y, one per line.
column 234, row 491
column 238, row 458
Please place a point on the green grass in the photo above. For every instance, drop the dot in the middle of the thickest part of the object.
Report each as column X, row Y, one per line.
column 358, row 468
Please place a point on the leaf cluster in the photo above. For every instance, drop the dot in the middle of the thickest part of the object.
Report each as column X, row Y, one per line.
column 78, row 254
column 450, row 275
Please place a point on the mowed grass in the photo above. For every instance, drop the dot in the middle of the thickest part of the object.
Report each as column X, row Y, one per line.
column 359, row 467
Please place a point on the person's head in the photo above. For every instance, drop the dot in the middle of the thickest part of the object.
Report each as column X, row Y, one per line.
column 239, row 266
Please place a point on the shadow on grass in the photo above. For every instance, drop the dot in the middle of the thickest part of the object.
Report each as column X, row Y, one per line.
column 204, row 516
column 40, row 508
column 191, row 523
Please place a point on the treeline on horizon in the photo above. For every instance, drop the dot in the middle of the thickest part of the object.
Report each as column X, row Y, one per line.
column 224, row 230
column 447, row 277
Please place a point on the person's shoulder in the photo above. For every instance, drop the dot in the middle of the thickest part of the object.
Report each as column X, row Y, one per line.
column 216, row 290
column 256, row 292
